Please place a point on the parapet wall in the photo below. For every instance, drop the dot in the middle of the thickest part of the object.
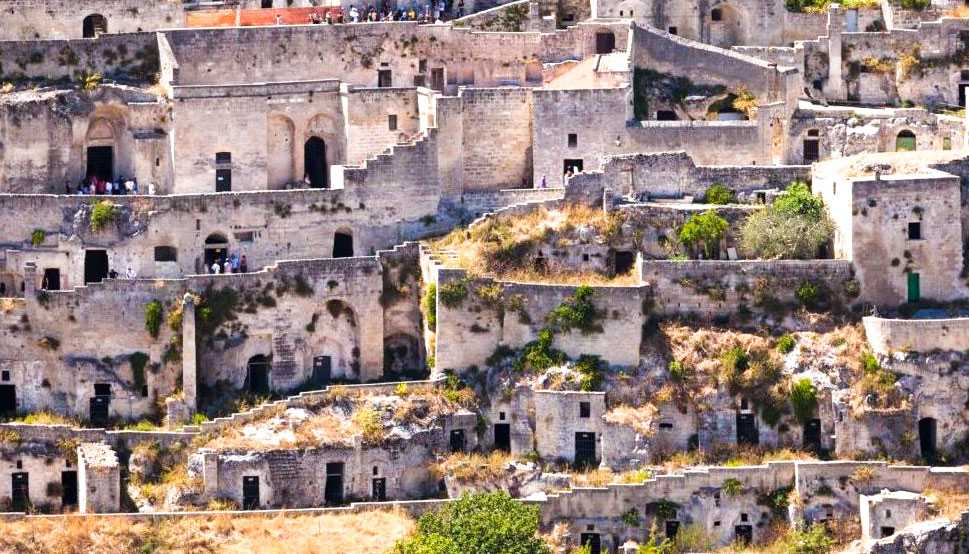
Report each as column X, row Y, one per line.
column 130, row 57
column 720, row 287
column 64, row 19
column 916, row 335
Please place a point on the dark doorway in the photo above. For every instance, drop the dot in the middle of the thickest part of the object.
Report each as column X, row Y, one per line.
column 503, row 437
column 216, row 250
column 95, row 266
column 585, row 449
column 52, row 279
column 20, row 492
column 8, row 400
column 812, row 150
column 384, row 78
column 812, row 435
column 223, row 180
column 379, row 488
column 266, row 4
column 672, row 528
column 257, row 374
column 437, row 78
column 666, row 115
column 624, row 262
column 94, row 25
column 962, row 94
column 342, row 245
column 928, row 438
column 322, row 367
column 333, row 493
column 574, row 166
column 99, row 409
column 593, row 541
column 457, row 440
column 250, row 492
column 743, row 534
column 68, row 488
column 887, row 531
column 747, row 429
column 905, row 141
column 100, row 162
column 605, row 43
column 314, row 162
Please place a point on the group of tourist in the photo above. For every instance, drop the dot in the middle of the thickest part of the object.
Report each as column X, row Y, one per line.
column 95, row 186
column 229, row 264
column 434, row 12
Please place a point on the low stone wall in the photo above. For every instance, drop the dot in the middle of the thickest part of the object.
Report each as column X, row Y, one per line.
column 130, row 57
column 721, row 287
column 512, row 16
column 127, row 439
column 479, row 203
column 916, row 335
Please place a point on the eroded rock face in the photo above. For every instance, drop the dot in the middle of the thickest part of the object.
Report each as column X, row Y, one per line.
column 929, row 537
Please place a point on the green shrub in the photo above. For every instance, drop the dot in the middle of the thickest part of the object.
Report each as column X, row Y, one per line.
column 453, row 293
column 786, row 343
column 102, row 215
column 813, row 540
column 199, row 419
column 631, row 517
column 718, row 194
column 777, row 500
column 794, row 226
column 703, row 232
column 577, row 312
column 481, row 523
column 429, row 303
column 37, row 237
column 732, row 487
column 538, row 355
column 917, row 5
column 735, row 360
column 804, row 399
column 153, row 317
column 869, row 363
column 677, row 371
column 809, row 295
column 590, row 367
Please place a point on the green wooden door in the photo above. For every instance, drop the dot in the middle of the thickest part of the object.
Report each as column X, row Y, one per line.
column 913, row 287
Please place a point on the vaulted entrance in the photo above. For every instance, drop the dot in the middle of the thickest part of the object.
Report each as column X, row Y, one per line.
column 68, row 488
column 257, row 374
column 216, row 250
column 812, row 435
column 342, row 245
column 94, row 25
column 592, row 541
column 100, row 404
column 52, row 279
column 314, row 161
column 747, row 429
column 928, row 439
column 605, row 43
column 456, row 442
column 8, row 400
column 322, row 368
column 100, row 162
column 503, row 437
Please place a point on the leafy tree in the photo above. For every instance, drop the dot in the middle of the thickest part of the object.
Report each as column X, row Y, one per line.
column 482, row 523
column 718, row 194
column 794, row 226
column 704, row 231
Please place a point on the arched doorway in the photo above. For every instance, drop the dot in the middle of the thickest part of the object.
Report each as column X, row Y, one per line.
column 905, row 141
column 314, row 162
column 605, row 42
column 257, row 374
column 343, row 244
column 100, row 149
column 812, row 146
column 928, row 438
column 94, row 25
column 216, row 249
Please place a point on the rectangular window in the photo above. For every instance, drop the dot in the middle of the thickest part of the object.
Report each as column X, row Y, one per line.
column 573, row 140
column 585, row 409
column 672, row 30
column 392, row 122
column 420, row 80
column 223, row 157
column 915, row 230
column 384, row 78
column 422, row 66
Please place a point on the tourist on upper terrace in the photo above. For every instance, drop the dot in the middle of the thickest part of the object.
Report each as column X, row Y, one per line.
column 354, row 14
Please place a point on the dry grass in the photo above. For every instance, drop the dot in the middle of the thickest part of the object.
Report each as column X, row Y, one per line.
column 368, row 532
column 506, row 246
column 592, row 478
column 641, row 418
column 732, row 457
column 473, row 467
column 948, row 504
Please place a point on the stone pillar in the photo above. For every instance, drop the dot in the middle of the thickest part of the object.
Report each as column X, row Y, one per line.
column 189, row 361
column 210, row 473
column 835, row 88
column 98, row 479
column 30, row 280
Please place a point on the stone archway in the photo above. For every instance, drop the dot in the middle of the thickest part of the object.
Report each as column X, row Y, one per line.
column 726, row 26
column 315, row 167
column 94, row 25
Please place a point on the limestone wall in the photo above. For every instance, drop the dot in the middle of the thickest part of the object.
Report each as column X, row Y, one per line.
column 127, row 57
column 488, row 114
column 469, row 332
column 711, row 288
column 98, row 479
column 558, row 418
column 64, row 19
column 916, row 335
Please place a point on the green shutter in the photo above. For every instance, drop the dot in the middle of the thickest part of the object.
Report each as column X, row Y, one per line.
column 913, row 287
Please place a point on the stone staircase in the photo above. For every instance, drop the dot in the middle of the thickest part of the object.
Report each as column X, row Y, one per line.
column 284, row 354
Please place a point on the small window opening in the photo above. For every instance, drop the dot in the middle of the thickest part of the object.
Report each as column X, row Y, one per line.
column 585, row 409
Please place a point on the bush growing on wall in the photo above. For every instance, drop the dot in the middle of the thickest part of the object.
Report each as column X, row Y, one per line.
column 37, row 237
column 794, row 226
column 577, row 312
column 718, row 194
column 153, row 317
column 454, row 293
column 429, row 303
column 804, row 399
column 703, row 232
column 480, row 523
column 102, row 214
